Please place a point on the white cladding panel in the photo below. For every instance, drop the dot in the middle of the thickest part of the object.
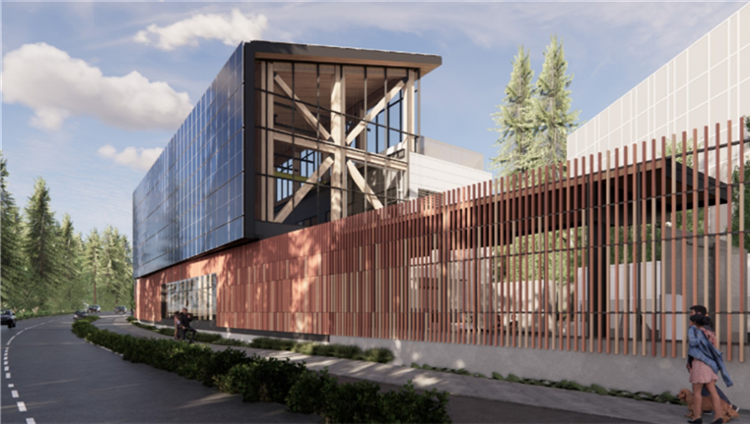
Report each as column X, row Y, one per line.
column 706, row 84
column 437, row 175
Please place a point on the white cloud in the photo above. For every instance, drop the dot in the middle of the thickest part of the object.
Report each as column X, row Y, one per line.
column 140, row 158
column 57, row 86
column 231, row 29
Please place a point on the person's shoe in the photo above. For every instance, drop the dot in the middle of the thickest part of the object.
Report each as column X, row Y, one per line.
column 718, row 421
column 696, row 421
column 736, row 408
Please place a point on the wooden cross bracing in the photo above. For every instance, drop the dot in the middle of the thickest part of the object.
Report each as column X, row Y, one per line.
column 336, row 143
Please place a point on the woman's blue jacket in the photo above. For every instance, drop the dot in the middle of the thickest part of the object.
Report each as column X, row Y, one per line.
column 703, row 350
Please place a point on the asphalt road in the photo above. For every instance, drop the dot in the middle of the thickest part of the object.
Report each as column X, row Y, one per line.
column 52, row 376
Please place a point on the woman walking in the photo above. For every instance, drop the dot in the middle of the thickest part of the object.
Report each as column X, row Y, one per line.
column 705, row 362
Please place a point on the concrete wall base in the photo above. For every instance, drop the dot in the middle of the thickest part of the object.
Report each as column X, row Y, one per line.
column 623, row 372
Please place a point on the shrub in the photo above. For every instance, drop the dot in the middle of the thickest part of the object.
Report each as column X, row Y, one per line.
column 272, row 379
column 236, row 380
column 230, row 342
column 131, row 318
column 274, row 344
column 378, row 354
column 220, row 363
column 311, row 391
column 408, row 406
column 357, row 402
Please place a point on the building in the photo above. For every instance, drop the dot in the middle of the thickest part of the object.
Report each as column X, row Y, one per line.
column 288, row 136
column 706, row 84
column 337, row 224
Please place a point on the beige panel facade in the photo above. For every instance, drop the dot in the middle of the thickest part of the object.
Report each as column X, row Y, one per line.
column 706, row 84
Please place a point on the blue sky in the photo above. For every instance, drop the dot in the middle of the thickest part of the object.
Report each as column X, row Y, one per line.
column 93, row 90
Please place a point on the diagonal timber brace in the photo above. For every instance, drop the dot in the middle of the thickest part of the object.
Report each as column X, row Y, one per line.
column 309, row 117
column 302, row 192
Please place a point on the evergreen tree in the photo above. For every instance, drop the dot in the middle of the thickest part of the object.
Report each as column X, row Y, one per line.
column 92, row 259
column 72, row 291
column 12, row 266
column 552, row 106
column 515, row 122
column 40, row 247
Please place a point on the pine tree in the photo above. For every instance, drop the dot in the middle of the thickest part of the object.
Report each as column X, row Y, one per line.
column 554, row 119
column 40, row 247
column 12, row 266
column 92, row 259
column 515, row 122
column 72, row 291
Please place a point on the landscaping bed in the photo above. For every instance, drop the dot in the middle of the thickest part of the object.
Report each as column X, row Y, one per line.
column 380, row 355
column 260, row 379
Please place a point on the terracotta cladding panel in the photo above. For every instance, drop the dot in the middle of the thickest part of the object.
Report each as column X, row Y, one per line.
column 457, row 267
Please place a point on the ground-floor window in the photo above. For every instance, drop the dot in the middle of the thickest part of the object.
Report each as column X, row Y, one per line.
column 197, row 294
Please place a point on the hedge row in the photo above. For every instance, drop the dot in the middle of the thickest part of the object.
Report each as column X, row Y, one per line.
column 381, row 355
column 665, row 397
column 260, row 379
column 38, row 314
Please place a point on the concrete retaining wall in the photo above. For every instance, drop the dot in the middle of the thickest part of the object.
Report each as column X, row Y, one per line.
column 624, row 372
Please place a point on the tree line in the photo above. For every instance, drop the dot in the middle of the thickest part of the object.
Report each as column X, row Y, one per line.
column 47, row 265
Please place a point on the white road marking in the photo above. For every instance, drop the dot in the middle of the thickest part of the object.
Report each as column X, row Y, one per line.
column 11, row 385
column 7, row 368
column 7, row 375
column 21, row 406
column 14, row 393
column 5, row 363
column 30, row 421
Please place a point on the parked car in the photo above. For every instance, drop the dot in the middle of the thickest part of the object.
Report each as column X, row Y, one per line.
column 8, row 318
column 80, row 314
column 121, row 310
column 94, row 308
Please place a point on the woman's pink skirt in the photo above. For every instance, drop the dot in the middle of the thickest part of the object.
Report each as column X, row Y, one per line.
column 700, row 373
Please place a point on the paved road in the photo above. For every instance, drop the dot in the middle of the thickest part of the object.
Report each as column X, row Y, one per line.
column 59, row 378
column 462, row 409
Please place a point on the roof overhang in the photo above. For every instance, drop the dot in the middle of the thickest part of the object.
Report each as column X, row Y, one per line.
column 342, row 55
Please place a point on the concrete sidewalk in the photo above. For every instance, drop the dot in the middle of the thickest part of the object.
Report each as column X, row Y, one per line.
column 608, row 408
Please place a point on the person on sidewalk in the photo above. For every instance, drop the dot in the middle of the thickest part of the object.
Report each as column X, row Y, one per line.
column 705, row 362
column 177, row 325
column 185, row 319
column 702, row 310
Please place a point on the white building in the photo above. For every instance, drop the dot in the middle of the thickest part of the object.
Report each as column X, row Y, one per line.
column 707, row 83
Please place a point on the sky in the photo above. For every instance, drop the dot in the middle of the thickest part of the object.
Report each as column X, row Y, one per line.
column 92, row 91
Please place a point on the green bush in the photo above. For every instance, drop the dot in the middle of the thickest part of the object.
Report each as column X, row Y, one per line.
column 219, row 363
column 357, row 402
column 320, row 383
column 23, row 314
column 236, row 380
column 262, row 379
column 378, row 354
column 273, row 380
column 231, row 342
column 131, row 318
column 274, row 344
column 408, row 406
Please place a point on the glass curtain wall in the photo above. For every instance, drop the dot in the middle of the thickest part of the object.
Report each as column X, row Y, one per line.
column 197, row 294
column 297, row 117
column 191, row 199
